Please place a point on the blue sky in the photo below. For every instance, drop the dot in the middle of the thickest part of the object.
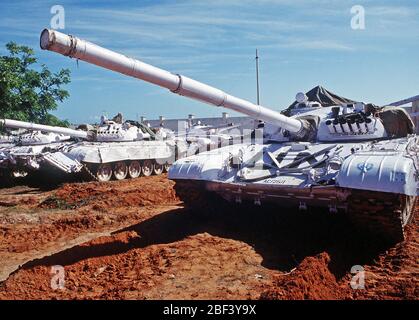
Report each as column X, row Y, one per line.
column 301, row 44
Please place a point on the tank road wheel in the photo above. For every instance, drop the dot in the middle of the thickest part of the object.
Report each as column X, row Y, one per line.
column 134, row 169
column 120, row 170
column 158, row 168
column 166, row 167
column 104, row 172
column 147, row 168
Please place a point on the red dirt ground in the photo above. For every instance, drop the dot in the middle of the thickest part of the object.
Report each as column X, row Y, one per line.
column 133, row 240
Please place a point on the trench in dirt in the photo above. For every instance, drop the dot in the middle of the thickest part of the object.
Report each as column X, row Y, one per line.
column 224, row 252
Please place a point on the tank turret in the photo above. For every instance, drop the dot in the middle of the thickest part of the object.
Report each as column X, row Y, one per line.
column 107, row 131
column 8, row 139
column 116, row 130
column 34, row 138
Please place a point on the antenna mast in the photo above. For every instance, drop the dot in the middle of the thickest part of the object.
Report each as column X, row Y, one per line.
column 257, row 78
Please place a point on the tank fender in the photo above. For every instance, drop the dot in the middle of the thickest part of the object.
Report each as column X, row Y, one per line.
column 385, row 172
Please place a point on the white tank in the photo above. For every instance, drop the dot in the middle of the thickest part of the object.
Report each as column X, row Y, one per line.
column 329, row 157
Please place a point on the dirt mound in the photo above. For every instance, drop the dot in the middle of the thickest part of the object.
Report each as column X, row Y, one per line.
column 55, row 217
column 200, row 266
column 28, row 201
column 24, row 237
column 103, row 196
column 312, row 279
column 392, row 274
column 395, row 273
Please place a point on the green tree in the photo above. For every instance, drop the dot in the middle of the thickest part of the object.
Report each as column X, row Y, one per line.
column 28, row 92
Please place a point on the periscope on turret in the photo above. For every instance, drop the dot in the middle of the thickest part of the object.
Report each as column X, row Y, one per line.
column 348, row 158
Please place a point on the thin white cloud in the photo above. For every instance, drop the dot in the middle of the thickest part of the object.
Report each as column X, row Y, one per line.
column 193, row 17
column 319, row 45
column 395, row 12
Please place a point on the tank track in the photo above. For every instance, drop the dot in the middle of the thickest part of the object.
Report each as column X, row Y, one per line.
column 89, row 173
column 383, row 215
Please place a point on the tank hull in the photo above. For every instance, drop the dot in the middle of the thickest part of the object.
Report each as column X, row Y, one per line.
column 382, row 166
column 374, row 184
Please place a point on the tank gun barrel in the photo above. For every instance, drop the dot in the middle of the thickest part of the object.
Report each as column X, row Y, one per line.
column 8, row 123
column 74, row 47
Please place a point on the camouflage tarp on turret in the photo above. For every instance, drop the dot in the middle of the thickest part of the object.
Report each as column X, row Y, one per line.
column 325, row 97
